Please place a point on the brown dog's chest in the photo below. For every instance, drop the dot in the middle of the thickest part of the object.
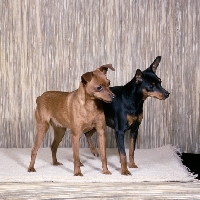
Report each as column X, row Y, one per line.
column 88, row 126
column 91, row 121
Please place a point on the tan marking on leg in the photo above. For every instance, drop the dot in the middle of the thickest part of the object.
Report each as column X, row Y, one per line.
column 124, row 169
column 131, row 154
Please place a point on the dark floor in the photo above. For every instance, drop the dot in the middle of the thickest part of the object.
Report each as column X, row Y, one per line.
column 192, row 161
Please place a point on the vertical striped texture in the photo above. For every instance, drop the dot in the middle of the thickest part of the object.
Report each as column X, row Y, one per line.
column 49, row 44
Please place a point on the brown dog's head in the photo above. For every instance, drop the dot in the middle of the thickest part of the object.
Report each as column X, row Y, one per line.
column 97, row 85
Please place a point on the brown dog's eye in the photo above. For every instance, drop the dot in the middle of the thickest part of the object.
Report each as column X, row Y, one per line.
column 99, row 88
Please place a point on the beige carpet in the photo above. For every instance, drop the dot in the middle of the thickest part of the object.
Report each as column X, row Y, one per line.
column 159, row 164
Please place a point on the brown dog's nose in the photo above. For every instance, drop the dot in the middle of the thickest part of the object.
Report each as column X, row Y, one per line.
column 112, row 96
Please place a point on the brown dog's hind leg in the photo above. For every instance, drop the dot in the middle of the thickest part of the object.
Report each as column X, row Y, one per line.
column 131, row 154
column 90, row 142
column 40, row 133
column 59, row 132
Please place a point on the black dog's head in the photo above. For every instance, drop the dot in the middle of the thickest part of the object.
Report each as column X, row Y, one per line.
column 149, row 83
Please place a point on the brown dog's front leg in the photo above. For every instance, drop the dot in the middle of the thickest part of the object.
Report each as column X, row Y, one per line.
column 102, row 147
column 75, row 147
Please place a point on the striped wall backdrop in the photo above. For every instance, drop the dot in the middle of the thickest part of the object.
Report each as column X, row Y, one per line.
column 49, row 44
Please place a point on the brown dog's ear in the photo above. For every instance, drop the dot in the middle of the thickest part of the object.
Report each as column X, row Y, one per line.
column 138, row 76
column 155, row 64
column 86, row 77
column 104, row 68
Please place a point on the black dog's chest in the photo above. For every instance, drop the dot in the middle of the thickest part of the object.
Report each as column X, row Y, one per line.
column 131, row 119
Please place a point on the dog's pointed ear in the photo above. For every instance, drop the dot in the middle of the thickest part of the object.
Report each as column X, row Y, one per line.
column 86, row 77
column 138, row 76
column 155, row 64
column 104, row 68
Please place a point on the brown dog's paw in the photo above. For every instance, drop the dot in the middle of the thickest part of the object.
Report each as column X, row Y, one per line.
column 57, row 163
column 106, row 172
column 31, row 169
column 78, row 174
column 133, row 165
column 125, row 172
column 94, row 152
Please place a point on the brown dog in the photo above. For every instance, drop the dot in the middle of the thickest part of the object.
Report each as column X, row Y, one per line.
column 81, row 111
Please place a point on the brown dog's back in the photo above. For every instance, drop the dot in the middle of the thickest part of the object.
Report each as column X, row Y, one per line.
column 48, row 105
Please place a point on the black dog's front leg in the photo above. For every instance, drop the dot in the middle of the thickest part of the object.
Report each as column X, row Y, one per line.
column 122, row 152
column 132, row 144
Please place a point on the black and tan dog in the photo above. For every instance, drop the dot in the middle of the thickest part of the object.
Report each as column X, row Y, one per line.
column 80, row 111
column 126, row 110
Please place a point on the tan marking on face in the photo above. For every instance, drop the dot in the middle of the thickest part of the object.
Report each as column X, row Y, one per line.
column 145, row 94
column 131, row 119
column 140, row 117
column 156, row 95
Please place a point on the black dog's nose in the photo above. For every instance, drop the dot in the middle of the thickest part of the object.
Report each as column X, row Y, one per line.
column 167, row 94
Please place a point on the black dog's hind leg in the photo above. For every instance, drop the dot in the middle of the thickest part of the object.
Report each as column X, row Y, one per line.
column 122, row 153
column 132, row 143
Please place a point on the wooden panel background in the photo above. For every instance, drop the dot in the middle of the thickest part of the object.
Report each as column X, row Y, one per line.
column 49, row 44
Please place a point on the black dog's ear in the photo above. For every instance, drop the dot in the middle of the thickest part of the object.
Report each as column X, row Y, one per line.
column 155, row 64
column 104, row 68
column 86, row 77
column 138, row 76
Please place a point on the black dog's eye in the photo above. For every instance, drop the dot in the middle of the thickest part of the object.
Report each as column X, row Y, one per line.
column 151, row 86
column 99, row 88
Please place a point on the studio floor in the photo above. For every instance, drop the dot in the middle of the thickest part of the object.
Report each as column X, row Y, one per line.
column 107, row 190
column 145, row 190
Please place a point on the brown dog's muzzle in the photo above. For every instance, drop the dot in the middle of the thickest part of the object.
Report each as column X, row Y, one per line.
column 105, row 95
column 112, row 96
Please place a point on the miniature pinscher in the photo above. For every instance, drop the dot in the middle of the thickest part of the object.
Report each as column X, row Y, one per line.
column 80, row 111
column 126, row 110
